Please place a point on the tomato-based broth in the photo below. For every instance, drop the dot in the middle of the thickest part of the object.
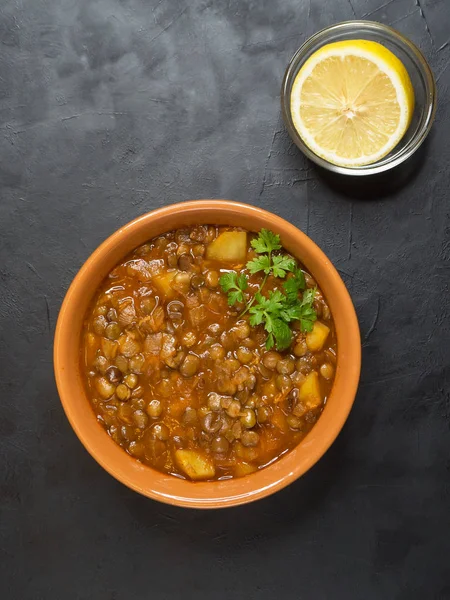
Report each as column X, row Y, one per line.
column 208, row 352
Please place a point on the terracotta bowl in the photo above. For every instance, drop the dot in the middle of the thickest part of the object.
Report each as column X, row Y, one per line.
column 144, row 479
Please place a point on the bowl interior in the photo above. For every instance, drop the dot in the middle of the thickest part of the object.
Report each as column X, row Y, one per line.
column 143, row 478
column 419, row 72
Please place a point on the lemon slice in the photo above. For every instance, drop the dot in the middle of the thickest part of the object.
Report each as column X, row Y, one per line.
column 352, row 102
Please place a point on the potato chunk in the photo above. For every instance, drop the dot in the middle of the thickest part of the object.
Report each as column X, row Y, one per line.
column 316, row 338
column 163, row 282
column 243, row 468
column 196, row 465
column 309, row 392
column 230, row 246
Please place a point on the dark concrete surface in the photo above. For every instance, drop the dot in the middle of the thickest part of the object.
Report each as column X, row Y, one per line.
column 110, row 108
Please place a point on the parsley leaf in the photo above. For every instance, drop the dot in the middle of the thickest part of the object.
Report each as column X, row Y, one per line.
column 276, row 298
column 270, row 342
column 235, row 296
column 276, row 311
column 307, row 313
column 281, row 264
column 266, row 309
column 294, row 284
column 282, row 333
column 269, row 311
column 291, row 313
column 266, row 242
column 307, row 319
column 235, row 285
column 260, row 263
column 242, row 282
column 308, row 296
column 302, row 311
column 228, row 281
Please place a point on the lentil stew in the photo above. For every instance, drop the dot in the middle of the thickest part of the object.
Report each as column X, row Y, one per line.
column 179, row 373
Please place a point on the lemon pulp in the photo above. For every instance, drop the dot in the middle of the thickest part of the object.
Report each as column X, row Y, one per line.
column 352, row 102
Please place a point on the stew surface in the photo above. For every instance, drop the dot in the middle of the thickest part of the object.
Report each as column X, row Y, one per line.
column 183, row 381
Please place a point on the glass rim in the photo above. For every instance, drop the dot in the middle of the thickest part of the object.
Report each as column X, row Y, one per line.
column 385, row 163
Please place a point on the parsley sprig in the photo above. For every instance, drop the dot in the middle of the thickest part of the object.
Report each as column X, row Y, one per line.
column 277, row 265
column 279, row 308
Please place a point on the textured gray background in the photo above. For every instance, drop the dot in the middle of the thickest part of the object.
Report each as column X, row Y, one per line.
column 110, row 108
